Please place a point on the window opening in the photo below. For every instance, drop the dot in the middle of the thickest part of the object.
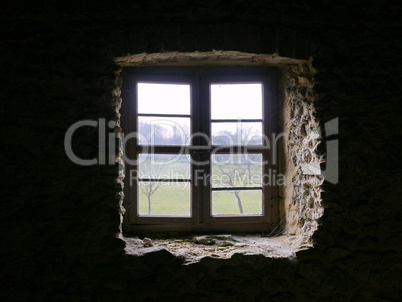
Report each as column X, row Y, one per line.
column 202, row 148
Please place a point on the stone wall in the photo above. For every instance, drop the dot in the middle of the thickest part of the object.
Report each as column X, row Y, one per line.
column 294, row 146
column 302, row 191
column 59, row 220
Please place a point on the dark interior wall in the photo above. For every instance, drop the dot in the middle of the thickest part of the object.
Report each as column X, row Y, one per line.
column 59, row 220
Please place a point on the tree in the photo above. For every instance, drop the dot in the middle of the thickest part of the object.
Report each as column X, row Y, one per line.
column 242, row 136
column 163, row 132
column 230, row 176
column 236, row 171
column 150, row 133
column 149, row 188
column 152, row 173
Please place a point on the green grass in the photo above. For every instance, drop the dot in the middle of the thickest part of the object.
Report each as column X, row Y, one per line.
column 225, row 202
column 172, row 199
column 168, row 199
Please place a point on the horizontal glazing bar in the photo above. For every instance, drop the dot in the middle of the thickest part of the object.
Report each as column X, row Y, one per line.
column 194, row 149
column 163, row 115
column 238, row 149
column 237, row 189
column 236, row 120
column 158, row 149
column 163, row 180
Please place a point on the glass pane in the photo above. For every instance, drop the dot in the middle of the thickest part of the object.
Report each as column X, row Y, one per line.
column 164, row 166
column 236, row 170
column 163, row 98
column 163, row 130
column 164, row 198
column 236, row 133
column 237, row 202
column 236, row 101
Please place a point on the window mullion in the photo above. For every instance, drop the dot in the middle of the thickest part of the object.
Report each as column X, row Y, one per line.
column 196, row 110
column 206, row 128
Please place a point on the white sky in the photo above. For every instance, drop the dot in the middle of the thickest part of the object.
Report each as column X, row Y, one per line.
column 163, row 98
column 228, row 101
column 233, row 101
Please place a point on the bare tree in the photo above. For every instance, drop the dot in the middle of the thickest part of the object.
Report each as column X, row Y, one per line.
column 180, row 135
column 165, row 133
column 231, row 182
column 150, row 133
column 152, row 173
column 246, row 135
column 149, row 188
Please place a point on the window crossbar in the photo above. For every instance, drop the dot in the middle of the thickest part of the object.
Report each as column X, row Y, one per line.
column 163, row 180
column 236, row 188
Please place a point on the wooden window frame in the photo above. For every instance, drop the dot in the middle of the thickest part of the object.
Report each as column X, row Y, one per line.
column 200, row 79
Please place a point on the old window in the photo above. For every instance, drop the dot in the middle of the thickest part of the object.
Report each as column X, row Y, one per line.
column 200, row 152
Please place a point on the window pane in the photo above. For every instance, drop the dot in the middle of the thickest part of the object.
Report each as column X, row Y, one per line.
column 163, row 130
column 236, row 170
column 164, row 166
column 236, row 133
column 163, row 98
column 164, row 198
column 237, row 202
column 234, row 101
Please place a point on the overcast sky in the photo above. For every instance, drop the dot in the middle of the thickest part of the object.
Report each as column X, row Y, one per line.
column 228, row 101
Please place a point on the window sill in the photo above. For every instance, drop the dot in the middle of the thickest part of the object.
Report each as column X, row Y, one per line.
column 219, row 246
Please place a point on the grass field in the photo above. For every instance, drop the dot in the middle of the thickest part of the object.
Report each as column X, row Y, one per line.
column 168, row 199
column 172, row 199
